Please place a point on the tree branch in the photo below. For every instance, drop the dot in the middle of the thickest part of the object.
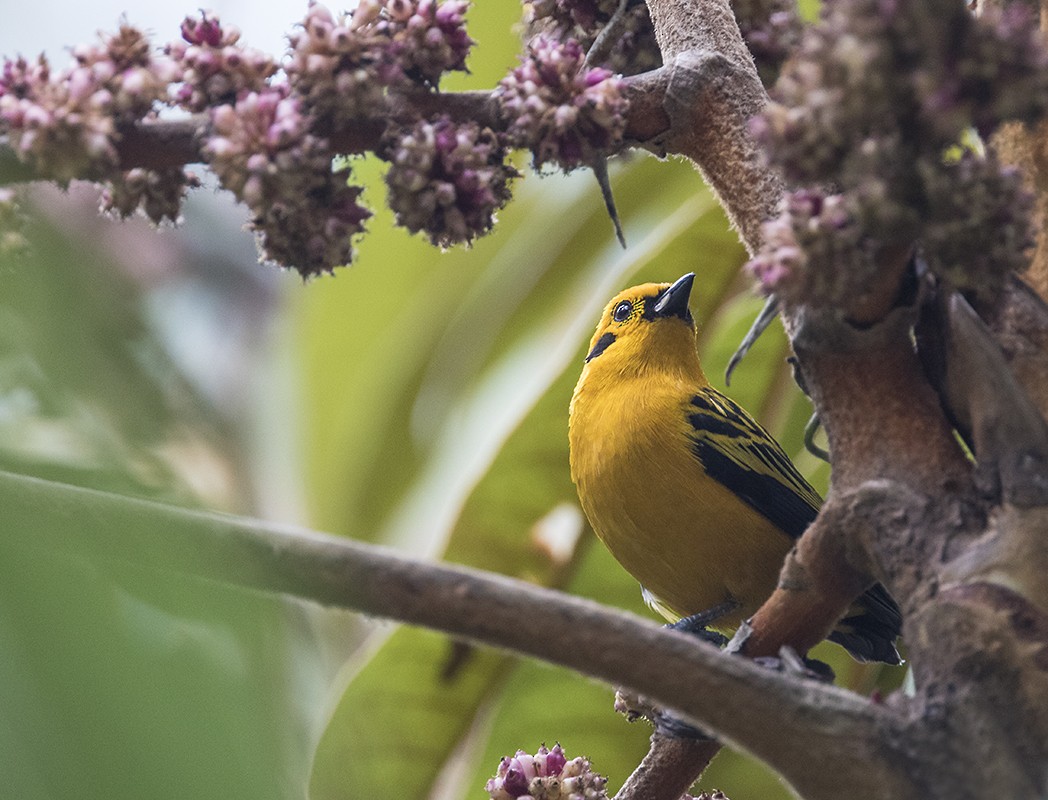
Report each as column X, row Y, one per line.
column 714, row 92
column 156, row 144
column 673, row 669
column 669, row 769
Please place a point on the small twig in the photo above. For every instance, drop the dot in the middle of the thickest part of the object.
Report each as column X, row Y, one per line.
column 609, row 34
column 600, row 172
column 810, row 429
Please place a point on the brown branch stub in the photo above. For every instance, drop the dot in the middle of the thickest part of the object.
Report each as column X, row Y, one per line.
column 818, row 583
column 669, row 769
column 647, row 121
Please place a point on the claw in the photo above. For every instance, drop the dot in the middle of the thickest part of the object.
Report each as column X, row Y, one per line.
column 698, row 624
column 764, row 319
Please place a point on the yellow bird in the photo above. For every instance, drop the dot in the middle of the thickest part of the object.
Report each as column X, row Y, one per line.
column 690, row 494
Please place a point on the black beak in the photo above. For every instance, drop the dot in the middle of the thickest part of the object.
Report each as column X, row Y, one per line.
column 674, row 301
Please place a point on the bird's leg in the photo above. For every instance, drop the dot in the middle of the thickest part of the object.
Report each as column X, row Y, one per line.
column 698, row 624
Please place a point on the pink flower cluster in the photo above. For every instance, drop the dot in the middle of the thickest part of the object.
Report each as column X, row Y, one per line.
column 814, row 251
column 877, row 101
column 427, row 37
column 564, row 112
column 634, row 51
column 263, row 150
column 269, row 140
column 216, row 68
column 67, row 124
column 547, row 775
column 339, row 65
column 447, row 180
column 342, row 64
column 158, row 193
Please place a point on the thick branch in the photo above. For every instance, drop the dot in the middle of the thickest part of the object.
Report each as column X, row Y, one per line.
column 875, row 403
column 714, row 92
column 977, row 634
column 671, row 668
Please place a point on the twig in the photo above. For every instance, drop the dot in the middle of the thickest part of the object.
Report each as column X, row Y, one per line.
column 669, row 769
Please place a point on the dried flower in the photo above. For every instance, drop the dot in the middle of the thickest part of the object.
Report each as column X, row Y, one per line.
column 446, row 179
column 562, row 111
column 547, row 775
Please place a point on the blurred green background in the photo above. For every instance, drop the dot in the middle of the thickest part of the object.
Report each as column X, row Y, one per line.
column 417, row 399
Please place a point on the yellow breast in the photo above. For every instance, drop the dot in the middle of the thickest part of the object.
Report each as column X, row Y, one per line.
column 685, row 537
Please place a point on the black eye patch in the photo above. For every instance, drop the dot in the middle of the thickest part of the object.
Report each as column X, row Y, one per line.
column 602, row 344
column 649, row 307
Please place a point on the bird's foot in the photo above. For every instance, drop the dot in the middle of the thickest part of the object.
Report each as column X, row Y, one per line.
column 667, row 723
column 698, row 624
column 791, row 662
column 788, row 660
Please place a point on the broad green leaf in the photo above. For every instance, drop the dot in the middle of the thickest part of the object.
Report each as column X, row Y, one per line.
column 368, row 753
column 116, row 682
column 525, row 345
column 124, row 683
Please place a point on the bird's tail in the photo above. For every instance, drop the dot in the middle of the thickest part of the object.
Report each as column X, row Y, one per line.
column 869, row 630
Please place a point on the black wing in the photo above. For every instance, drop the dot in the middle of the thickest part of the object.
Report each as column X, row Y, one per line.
column 738, row 453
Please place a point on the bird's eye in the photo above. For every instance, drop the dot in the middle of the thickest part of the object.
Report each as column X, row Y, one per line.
column 622, row 311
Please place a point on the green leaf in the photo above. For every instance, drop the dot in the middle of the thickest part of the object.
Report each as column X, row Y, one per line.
column 498, row 379
column 369, row 752
column 123, row 682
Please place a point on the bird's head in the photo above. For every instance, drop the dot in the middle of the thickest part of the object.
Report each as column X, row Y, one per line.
column 648, row 327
